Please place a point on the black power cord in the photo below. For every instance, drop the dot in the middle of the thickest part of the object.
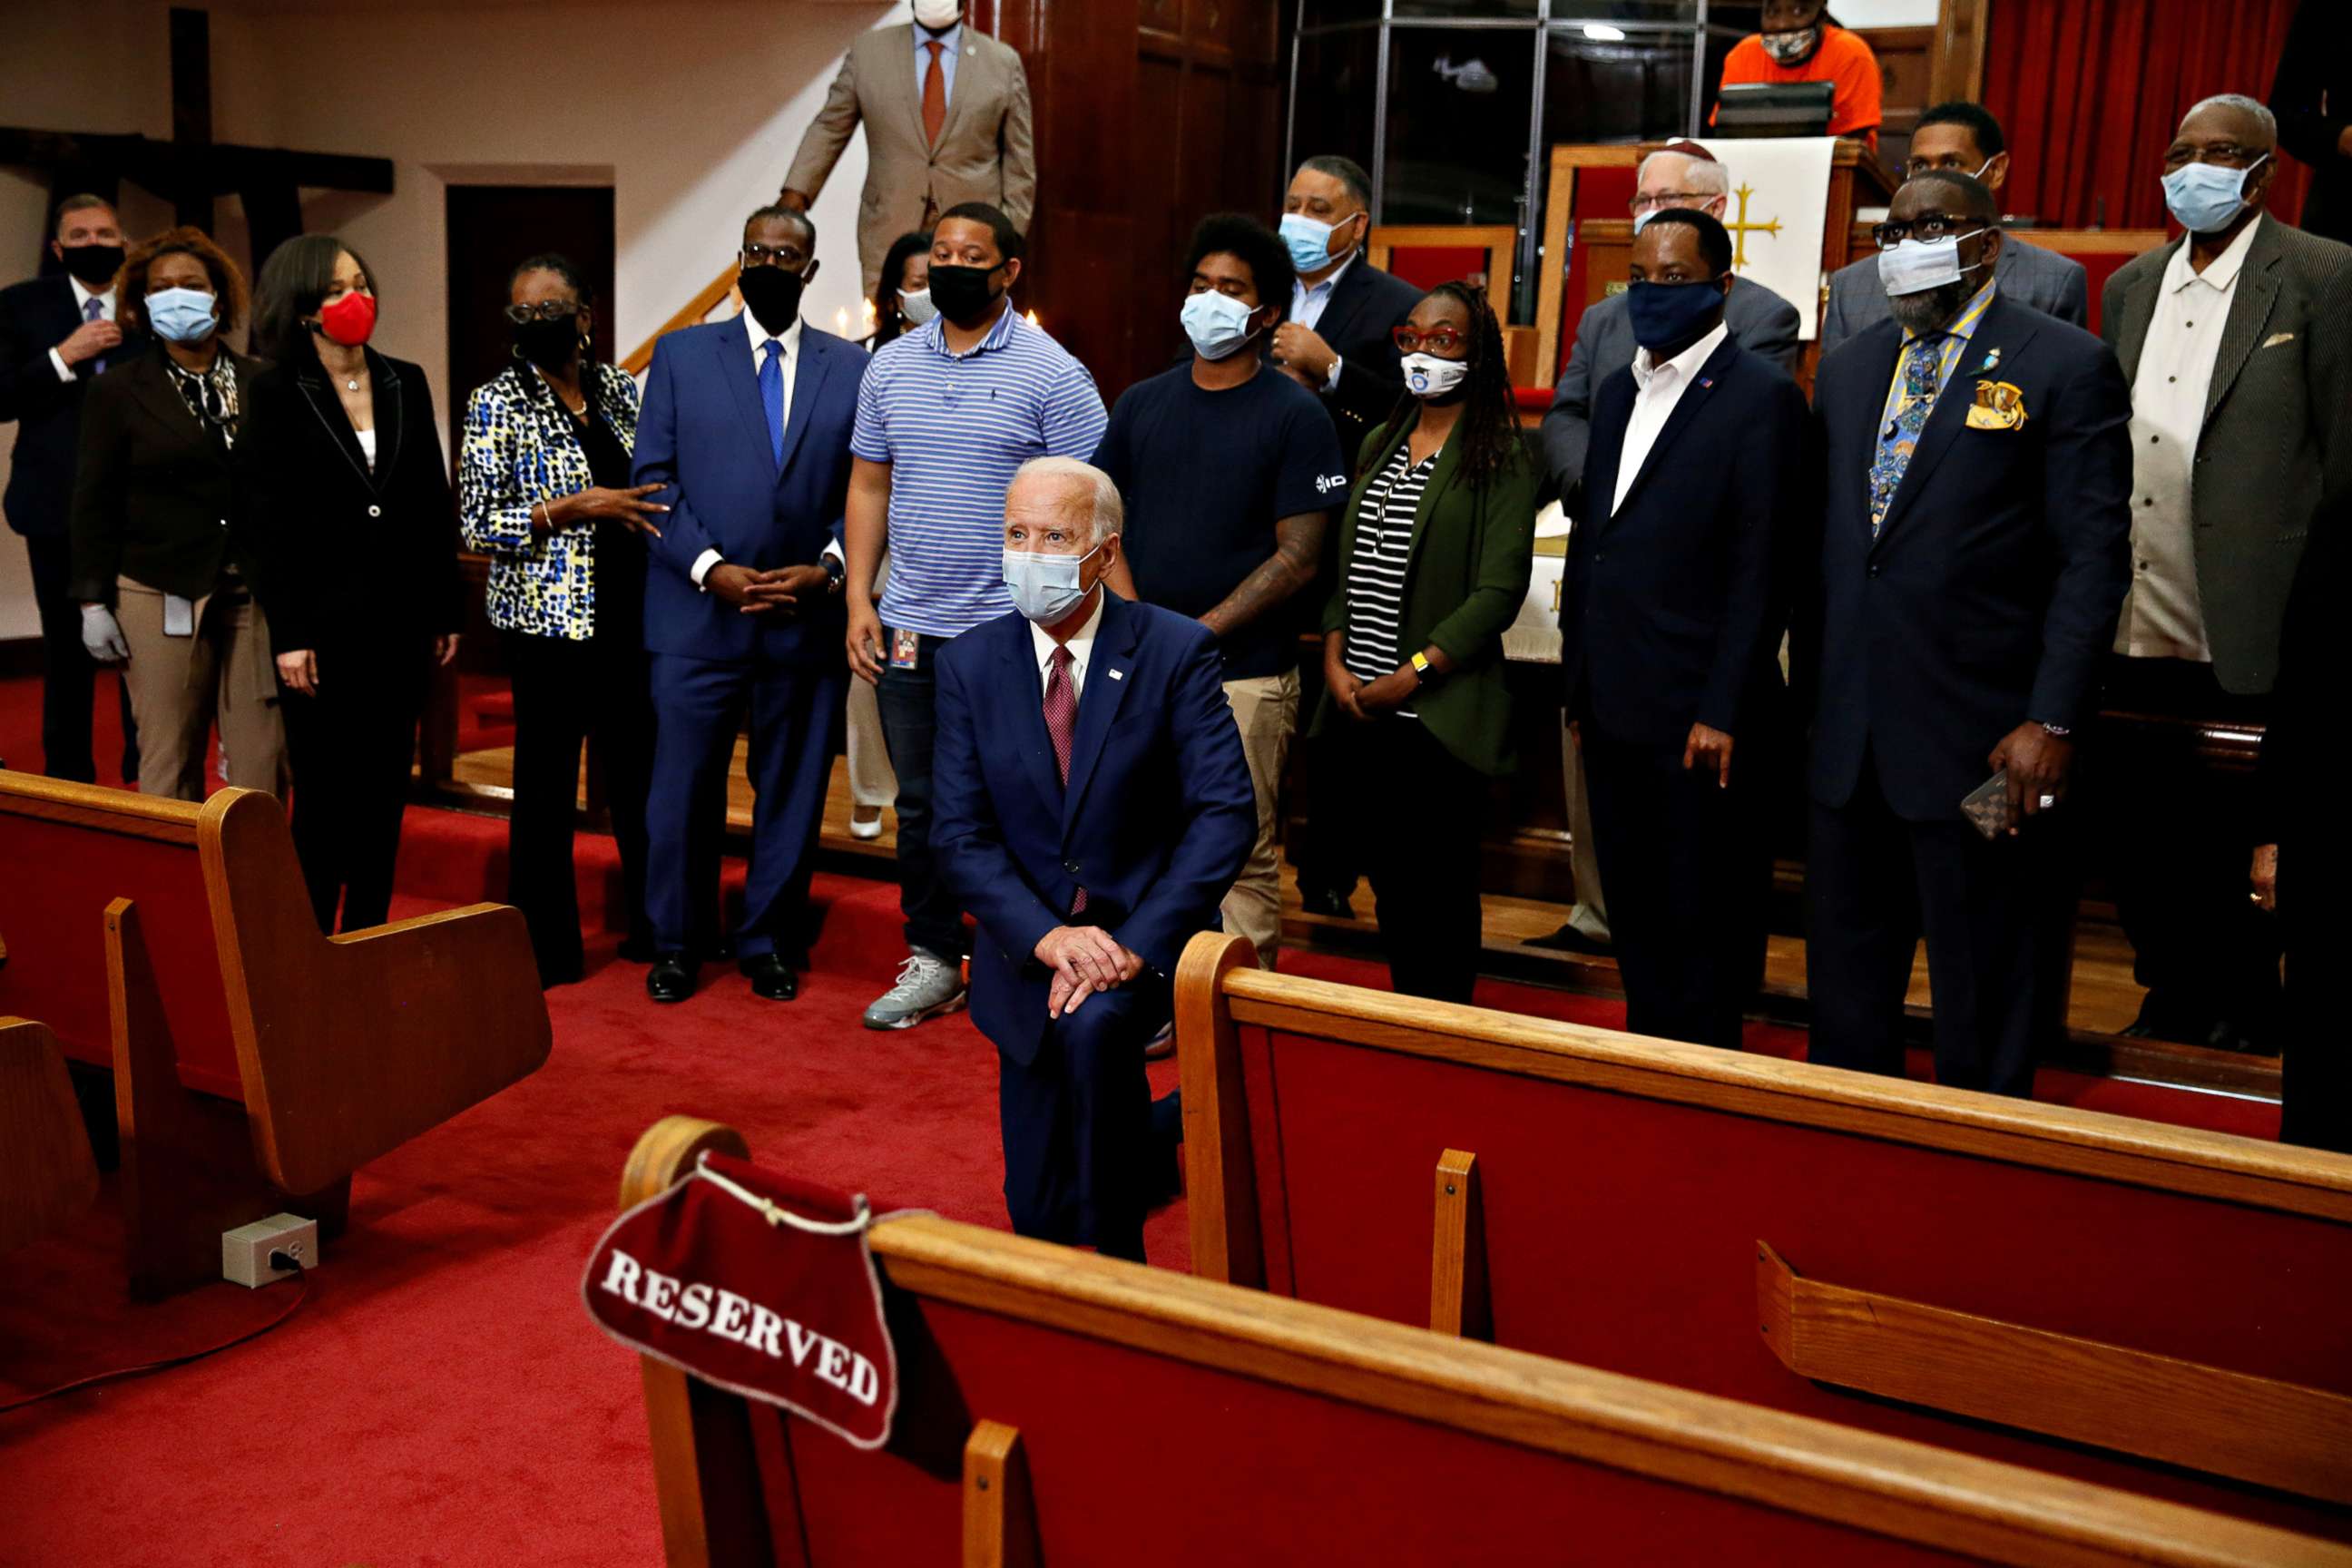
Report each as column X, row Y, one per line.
column 279, row 1258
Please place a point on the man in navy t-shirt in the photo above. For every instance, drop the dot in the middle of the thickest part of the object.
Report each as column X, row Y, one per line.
column 1229, row 472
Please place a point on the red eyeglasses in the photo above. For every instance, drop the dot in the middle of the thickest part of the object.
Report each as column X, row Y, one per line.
column 1444, row 340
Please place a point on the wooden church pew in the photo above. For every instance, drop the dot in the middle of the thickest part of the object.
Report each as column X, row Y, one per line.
column 257, row 1064
column 46, row 1174
column 2134, row 1304
column 1060, row 1408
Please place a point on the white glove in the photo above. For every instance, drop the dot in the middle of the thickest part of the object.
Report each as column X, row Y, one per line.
column 102, row 635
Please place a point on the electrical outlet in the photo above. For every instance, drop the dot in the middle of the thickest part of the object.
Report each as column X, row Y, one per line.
column 245, row 1251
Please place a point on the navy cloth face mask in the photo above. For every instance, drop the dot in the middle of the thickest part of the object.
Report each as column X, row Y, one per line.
column 1664, row 314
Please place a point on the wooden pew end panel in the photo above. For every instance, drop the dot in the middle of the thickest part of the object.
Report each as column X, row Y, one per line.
column 48, row 1173
column 1459, row 1300
column 1220, row 1174
column 2257, row 1430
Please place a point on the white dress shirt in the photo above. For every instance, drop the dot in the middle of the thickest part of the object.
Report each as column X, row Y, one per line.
column 791, row 338
column 1658, row 387
column 1081, row 646
column 1308, row 302
column 951, row 45
column 82, row 297
column 2163, row 616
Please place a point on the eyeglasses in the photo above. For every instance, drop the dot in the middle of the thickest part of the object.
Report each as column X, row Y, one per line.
column 1665, row 199
column 790, row 256
column 2228, row 154
column 1444, row 340
column 1929, row 227
column 545, row 310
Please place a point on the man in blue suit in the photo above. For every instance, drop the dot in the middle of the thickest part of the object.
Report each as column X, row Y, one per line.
column 1094, row 809
column 1974, row 558
column 1670, row 633
column 746, row 424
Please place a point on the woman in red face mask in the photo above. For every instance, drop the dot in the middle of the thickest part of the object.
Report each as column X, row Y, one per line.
column 345, row 509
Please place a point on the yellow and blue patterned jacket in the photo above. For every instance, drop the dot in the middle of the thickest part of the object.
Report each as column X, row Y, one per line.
column 520, row 450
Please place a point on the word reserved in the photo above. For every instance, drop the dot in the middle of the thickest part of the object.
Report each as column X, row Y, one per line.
column 728, row 1316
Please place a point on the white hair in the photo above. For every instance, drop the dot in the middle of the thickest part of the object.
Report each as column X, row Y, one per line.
column 1709, row 179
column 1086, row 488
column 2244, row 105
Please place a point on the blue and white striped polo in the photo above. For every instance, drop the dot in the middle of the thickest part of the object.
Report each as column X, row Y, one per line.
column 954, row 429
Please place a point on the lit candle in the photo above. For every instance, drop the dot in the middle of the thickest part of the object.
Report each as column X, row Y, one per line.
column 841, row 322
column 1033, row 322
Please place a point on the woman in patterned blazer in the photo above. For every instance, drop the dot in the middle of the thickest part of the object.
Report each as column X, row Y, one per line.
column 544, row 491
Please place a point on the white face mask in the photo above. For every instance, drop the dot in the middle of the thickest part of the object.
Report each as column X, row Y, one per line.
column 1046, row 588
column 1917, row 266
column 938, row 16
column 917, row 306
column 1426, row 375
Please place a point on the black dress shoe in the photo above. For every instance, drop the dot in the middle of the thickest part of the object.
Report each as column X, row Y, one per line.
column 1568, row 939
column 1327, row 901
column 671, row 979
column 771, row 977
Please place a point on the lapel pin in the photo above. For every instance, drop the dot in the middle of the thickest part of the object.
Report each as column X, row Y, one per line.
column 1116, row 674
column 1706, row 382
column 1992, row 360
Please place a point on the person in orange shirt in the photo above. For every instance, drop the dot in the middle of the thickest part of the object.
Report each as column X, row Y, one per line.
column 1798, row 43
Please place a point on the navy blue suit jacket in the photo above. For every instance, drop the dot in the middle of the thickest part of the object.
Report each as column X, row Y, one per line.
column 1156, row 822
column 36, row 317
column 1990, row 596
column 702, row 433
column 1673, row 606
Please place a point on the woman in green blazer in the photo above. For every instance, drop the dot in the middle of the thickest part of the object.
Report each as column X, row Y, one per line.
column 1435, row 549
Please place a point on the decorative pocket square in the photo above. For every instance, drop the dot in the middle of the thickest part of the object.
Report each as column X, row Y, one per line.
column 2277, row 337
column 1999, row 406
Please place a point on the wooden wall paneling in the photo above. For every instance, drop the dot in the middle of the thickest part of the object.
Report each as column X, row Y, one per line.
column 1956, row 67
column 1907, row 64
column 2206, row 1419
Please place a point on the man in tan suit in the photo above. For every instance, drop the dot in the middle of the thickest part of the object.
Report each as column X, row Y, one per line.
column 947, row 120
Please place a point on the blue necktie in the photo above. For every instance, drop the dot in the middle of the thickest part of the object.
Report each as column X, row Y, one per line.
column 1899, row 437
column 772, row 396
column 95, row 310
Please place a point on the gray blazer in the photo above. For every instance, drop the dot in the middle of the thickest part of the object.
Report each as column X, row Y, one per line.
column 1761, row 321
column 985, row 154
column 2052, row 284
column 2277, row 439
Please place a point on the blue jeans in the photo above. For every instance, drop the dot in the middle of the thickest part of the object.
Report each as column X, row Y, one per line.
column 909, row 725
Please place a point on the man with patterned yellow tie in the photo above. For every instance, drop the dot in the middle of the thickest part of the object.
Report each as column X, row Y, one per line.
column 1975, row 551
column 946, row 111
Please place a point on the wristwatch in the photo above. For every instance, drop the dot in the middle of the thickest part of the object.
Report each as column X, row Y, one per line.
column 1422, row 670
column 835, row 574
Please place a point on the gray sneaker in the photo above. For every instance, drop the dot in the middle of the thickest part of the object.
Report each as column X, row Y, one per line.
column 927, row 987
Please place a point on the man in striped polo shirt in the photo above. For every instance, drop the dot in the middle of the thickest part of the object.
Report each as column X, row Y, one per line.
column 946, row 416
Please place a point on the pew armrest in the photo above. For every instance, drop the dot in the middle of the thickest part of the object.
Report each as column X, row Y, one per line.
column 349, row 1047
column 2205, row 1418
column 46, row 1173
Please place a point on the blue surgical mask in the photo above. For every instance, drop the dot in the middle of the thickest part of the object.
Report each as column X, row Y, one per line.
column 2207, row 197
column 183, row 315
column 1917, row 266
column 1046, row 588
column 1667, row 314
column 1309, row 242
column 1217, row 323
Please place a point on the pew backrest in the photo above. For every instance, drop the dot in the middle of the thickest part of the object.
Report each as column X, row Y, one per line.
column 1757, row 1228
column 1056, row 1406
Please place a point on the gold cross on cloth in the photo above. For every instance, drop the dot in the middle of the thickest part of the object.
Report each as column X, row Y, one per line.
column 1741, row 229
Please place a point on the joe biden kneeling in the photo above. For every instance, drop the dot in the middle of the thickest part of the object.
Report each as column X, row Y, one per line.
column 1093, row 809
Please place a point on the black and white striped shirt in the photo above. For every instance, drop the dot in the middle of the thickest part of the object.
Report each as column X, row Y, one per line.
column 1376, row 565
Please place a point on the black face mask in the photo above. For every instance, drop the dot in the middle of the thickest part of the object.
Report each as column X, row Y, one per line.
column 773, row 294
column 547, row 344
column 962, row 293
column 94, row 265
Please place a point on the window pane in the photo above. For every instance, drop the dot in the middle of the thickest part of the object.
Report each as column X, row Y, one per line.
column 1331, row 113
column 1458, row 129
column 1633, row 89
column 1578, row 11
column 1524, row 9
column 1323, row 12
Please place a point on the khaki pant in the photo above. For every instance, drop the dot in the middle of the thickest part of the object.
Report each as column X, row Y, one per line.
column 1267, row 708
column 871, row 782
column 182, row 686
column 1590, row 915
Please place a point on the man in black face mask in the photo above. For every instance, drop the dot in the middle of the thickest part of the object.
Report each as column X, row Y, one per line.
column 1671, row 616
column 56, row 333
column 746, row 428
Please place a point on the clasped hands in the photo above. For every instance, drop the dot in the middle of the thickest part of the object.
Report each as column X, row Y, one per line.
column 777, row 591
column 1084, row 960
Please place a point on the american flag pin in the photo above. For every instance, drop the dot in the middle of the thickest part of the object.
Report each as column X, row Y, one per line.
column 1707, row 381
column 1117, row 674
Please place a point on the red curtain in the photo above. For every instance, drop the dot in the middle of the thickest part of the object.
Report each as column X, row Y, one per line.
column 2090, row 93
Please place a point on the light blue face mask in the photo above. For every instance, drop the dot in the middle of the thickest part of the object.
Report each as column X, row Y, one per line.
column 2207, row 197
column 1917, row 266
column 1217, row 323
column 183, row 315
column 1046, row 588
column 1309, row 242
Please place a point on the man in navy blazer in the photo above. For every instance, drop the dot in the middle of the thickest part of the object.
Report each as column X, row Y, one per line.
column 1974, row 555
column 1094, row 807
column 1671, row 617
column 746, row 424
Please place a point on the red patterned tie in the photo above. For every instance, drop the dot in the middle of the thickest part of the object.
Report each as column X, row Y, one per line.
column 1061, row 723
column 935, row 95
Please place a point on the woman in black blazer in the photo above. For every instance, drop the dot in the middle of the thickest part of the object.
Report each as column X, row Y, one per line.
column 347, row 511
column 162, row 584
